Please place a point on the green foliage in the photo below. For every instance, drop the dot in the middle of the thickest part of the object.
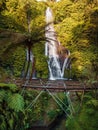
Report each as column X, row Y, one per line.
column 11, row 103
column 18, row 111
column 76, row 31
column 52, row 114
column 19, row 60
column 87, row 116
column 21, row 19
column 10, row 86
column 2, row 95
column 41, row 61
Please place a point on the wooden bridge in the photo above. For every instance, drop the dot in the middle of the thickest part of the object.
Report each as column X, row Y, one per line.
column 56, row 85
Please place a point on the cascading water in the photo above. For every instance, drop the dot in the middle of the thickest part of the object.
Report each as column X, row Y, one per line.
column 31, row 63
column 55, row 63
column 28, row 71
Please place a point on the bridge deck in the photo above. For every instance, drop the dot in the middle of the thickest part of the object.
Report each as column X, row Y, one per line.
column 57, row 85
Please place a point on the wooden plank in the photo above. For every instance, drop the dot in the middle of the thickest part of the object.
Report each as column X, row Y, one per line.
column 54, row 85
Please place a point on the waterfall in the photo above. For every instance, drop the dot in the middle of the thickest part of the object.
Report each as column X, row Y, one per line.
column 55, row 64
column 27, row 56
column 29, row 66
column 31, row 70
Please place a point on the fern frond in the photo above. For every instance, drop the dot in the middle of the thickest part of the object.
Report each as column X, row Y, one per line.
column 16, row 102
column 2, row 95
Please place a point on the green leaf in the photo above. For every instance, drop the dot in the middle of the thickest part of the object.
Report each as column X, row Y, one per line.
column 16, row 102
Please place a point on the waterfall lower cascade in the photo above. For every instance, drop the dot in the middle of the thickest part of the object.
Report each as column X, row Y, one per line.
column 29, row 66
column 56, row 62
column 31, row 70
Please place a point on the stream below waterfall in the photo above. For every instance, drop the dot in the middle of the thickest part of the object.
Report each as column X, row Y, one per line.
column 58, row 124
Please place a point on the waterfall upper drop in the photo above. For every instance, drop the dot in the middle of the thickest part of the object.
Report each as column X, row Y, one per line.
column 51, row 49
column 49, row 16
column 57, row 62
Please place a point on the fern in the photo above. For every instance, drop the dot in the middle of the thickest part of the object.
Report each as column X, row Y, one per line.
column 12, row 87
column 16, row 102
column 2, row 95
